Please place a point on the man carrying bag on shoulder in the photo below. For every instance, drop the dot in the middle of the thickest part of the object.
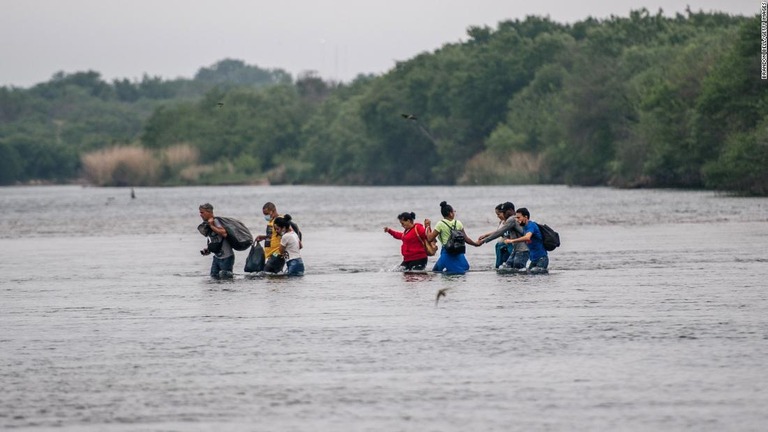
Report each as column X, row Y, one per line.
column 223, row 255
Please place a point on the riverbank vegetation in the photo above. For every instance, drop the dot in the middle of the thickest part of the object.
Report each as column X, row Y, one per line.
column 644, row 100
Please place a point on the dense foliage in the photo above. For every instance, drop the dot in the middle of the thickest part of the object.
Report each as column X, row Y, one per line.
column 639, row 101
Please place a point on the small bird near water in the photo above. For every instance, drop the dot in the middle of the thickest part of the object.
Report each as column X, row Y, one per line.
column 440, row 293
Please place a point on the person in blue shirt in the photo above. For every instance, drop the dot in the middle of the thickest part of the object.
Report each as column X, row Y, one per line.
column 532, row 237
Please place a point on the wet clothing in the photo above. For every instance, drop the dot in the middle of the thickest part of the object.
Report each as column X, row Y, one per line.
column 274, row 263
column 503, row 253
column 294, row 265
column 447, row 262
column 413, row 247
column 540, row 265
column 451, row 263
column 290, row 242
column 224, row 259
column 536, row 243
column 518, row 254
column 272, row 242
column 222, row 267
column 518, row 260
column 444, row 229
column 419, row 264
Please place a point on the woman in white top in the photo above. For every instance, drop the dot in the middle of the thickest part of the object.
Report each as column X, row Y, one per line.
column 290, row 246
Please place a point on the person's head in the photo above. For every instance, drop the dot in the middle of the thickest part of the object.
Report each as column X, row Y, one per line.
column 446, row 210
column 406, row 219
column 206, row 211
column 499, row 212
column 283, row 223
column 508, row 209
column 522, row 215
column 270, row 211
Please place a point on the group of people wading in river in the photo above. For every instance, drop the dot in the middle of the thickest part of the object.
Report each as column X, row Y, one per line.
column 519, row 242
column 519, row 245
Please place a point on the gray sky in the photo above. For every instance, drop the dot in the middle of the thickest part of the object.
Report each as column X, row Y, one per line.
column 337, row 38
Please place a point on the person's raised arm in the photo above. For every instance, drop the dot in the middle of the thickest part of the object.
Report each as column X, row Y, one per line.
column 496, row 234
column 431, row 234
column 217, row 229
column 396, row 234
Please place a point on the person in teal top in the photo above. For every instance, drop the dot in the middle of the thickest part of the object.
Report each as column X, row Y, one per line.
column 451, row 263
column 517, row 254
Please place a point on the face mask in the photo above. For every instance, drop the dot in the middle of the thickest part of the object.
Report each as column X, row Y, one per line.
column 268, row 218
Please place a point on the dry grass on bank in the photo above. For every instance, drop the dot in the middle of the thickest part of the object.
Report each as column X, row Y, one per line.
column 121, row 166
column 493, row 169
column 137, row 166
column 180, row 156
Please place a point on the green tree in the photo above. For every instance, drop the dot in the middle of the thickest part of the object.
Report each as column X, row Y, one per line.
column 742, row 163
column 235, row 73
column 732, row 102
column 11, row 165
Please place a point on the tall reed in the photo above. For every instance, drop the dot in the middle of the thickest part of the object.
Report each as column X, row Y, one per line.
column 121, row 166
column 180, row 156
column 510, row 168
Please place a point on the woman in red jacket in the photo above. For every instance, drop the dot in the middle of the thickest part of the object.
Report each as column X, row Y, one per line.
column 413, row 235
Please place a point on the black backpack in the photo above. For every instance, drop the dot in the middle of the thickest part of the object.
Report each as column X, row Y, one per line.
column 549, row 237
column 456, row 243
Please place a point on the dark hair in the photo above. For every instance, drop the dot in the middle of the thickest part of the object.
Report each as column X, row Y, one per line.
column 524, row 211
column 507, row 206
column 269, row 206
column 207, row 207
column 407, row 216
column 445, row 209
column 283, row 221
column 499, row 207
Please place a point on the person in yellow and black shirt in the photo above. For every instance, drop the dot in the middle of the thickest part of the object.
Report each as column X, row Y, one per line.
column 274, row 262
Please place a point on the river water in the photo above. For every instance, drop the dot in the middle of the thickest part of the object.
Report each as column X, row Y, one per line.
column 654, row 315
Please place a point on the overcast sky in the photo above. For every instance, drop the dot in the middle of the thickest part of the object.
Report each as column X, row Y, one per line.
column 336, row 38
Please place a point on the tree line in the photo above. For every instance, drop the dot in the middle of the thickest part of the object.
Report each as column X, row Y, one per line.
column 644, row 100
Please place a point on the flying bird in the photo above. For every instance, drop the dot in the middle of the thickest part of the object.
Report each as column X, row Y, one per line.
column 408, row 116
column 220, row 104
column 440, row 293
